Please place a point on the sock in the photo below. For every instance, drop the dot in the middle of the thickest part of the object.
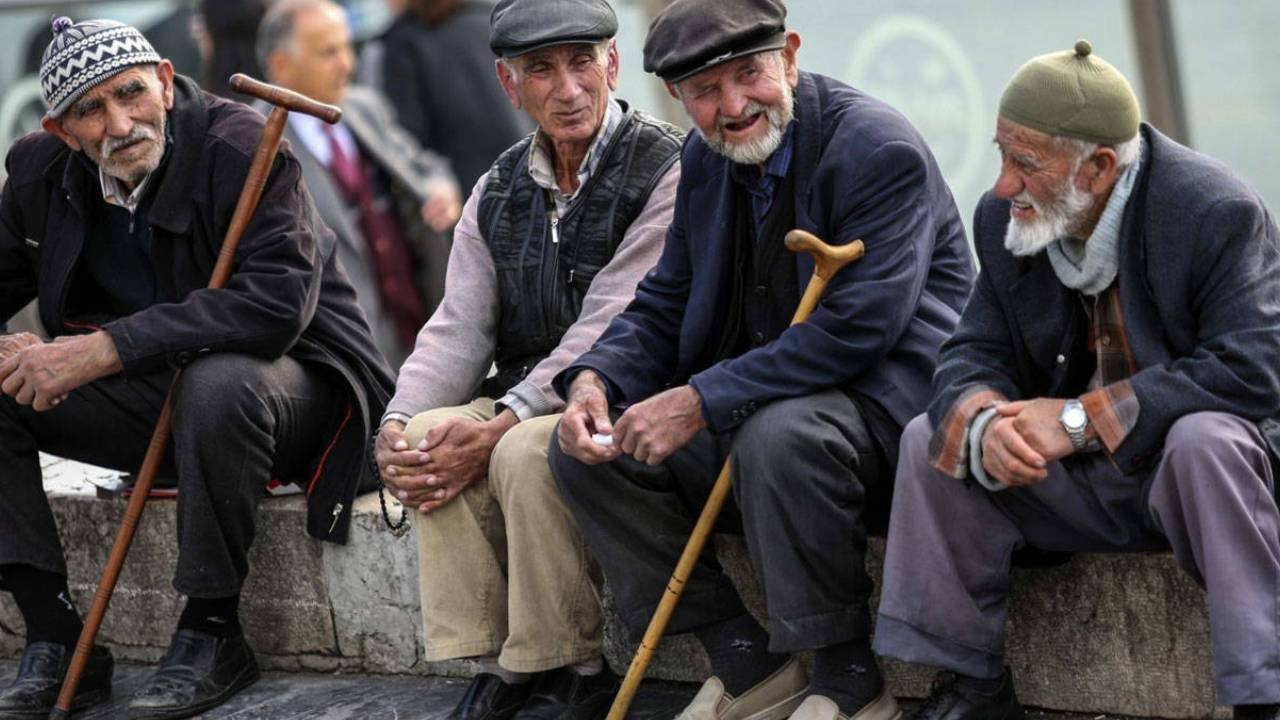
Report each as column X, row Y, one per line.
column 848, row 674
column 490, row 665
column 45, row 603
column 219, row 617
column 981, row 686
column 587, row 668
column 739, row 650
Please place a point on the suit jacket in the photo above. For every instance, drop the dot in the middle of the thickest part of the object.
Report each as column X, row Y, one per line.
column 1199, row 282
column 861, row 171
column 407, row 167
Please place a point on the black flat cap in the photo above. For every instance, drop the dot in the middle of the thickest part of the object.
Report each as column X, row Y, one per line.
column 520, row 26
column 690, row 36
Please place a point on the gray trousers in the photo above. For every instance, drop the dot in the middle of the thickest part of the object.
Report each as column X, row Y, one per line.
column 1209, row 499
column 237, row 421
column 804, row 472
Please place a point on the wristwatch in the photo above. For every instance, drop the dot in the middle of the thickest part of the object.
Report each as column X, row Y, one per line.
column 1074, row 421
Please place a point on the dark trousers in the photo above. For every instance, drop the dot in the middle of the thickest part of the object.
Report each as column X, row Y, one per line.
column 237, row 422
column 809, row 474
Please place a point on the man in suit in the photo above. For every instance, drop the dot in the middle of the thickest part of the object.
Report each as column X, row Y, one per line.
column 702, row 365
column 390, row 202
column 1112, row 387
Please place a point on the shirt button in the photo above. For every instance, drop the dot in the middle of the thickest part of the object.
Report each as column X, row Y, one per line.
column 1106, row 339
column 1062, row 359
column 757, row 337
column 761, row 291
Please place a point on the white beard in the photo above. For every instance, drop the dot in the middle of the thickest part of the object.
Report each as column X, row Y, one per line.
column 1057, row 217
column 755, row 151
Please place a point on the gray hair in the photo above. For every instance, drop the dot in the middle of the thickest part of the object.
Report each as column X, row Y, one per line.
column 1127, row 152
column 276, row 29
column 601, row 48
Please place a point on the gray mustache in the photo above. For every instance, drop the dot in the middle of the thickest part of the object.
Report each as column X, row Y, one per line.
column 139, row 132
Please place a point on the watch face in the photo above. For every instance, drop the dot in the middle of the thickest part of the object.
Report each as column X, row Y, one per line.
column 1074, row 417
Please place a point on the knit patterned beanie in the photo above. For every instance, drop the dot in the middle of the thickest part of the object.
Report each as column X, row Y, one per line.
column 1075, row 94
column 83, row 54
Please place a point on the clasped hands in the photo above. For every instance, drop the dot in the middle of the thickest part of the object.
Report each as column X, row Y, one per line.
column 451, row 456
column 1023, row 439
column 649, row 431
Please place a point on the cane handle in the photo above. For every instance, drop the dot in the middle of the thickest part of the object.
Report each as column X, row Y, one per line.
column 827, row 259
column 287, row 99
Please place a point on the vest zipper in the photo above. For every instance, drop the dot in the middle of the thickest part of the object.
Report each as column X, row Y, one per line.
column 549, row 272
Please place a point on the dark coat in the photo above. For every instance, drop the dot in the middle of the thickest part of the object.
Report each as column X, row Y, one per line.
column 285, row 295
column 861, row 171
column 442, row 82
column 1199, row 282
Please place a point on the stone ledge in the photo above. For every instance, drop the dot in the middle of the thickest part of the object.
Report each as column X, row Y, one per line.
column 1124, row 634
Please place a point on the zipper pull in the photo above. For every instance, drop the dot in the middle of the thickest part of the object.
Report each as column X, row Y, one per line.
column 555, row 230
column 337, row 513
column 571, row 271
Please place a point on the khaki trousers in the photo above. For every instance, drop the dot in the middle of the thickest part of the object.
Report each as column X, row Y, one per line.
column 503, row 568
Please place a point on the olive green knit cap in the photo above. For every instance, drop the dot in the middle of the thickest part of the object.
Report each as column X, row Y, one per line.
column 1075, row 94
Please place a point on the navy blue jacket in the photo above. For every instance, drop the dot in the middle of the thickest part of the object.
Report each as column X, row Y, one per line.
column 1199, row 288
column 862, row 172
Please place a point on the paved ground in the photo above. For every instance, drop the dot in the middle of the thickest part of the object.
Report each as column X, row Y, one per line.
column 284, row 696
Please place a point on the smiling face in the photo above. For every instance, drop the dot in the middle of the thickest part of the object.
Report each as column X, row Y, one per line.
column 564, row 88
column 120, row 123
column 742, row 107
column 1041, row 179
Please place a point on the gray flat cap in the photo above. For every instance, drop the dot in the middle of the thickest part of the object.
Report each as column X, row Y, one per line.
column 690, row 36
column 520, row 26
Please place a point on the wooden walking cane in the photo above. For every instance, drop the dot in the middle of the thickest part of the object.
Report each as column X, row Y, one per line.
column 827, row 261
column 282, row 101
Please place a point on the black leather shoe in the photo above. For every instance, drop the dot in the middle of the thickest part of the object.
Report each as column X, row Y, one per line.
column 34, row 691
column 199, row 671
column 951, row 699
column 563, row 694
column 1256, row 712
column 489, row 698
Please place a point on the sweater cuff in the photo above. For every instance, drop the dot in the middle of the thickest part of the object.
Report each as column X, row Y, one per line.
column 976, row 470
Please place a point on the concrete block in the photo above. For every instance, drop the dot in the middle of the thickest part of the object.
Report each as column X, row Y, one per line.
column 1117, row 634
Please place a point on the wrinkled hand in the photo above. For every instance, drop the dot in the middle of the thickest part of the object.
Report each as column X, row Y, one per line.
column 42, row 374
column 443, row 206
column 10, row 344
column 1007, row 457
column 650, row 431
column 453, row 455
column 1039, row 422
column 399, row 465
column 587, row 413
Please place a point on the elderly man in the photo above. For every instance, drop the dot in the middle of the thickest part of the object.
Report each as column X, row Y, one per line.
column 1112, row 387
column 390, row 202
column 706, row 368
column 550, row 247
column 112, row 219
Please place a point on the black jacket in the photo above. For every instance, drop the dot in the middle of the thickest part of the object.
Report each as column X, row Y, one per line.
column 285, row 297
